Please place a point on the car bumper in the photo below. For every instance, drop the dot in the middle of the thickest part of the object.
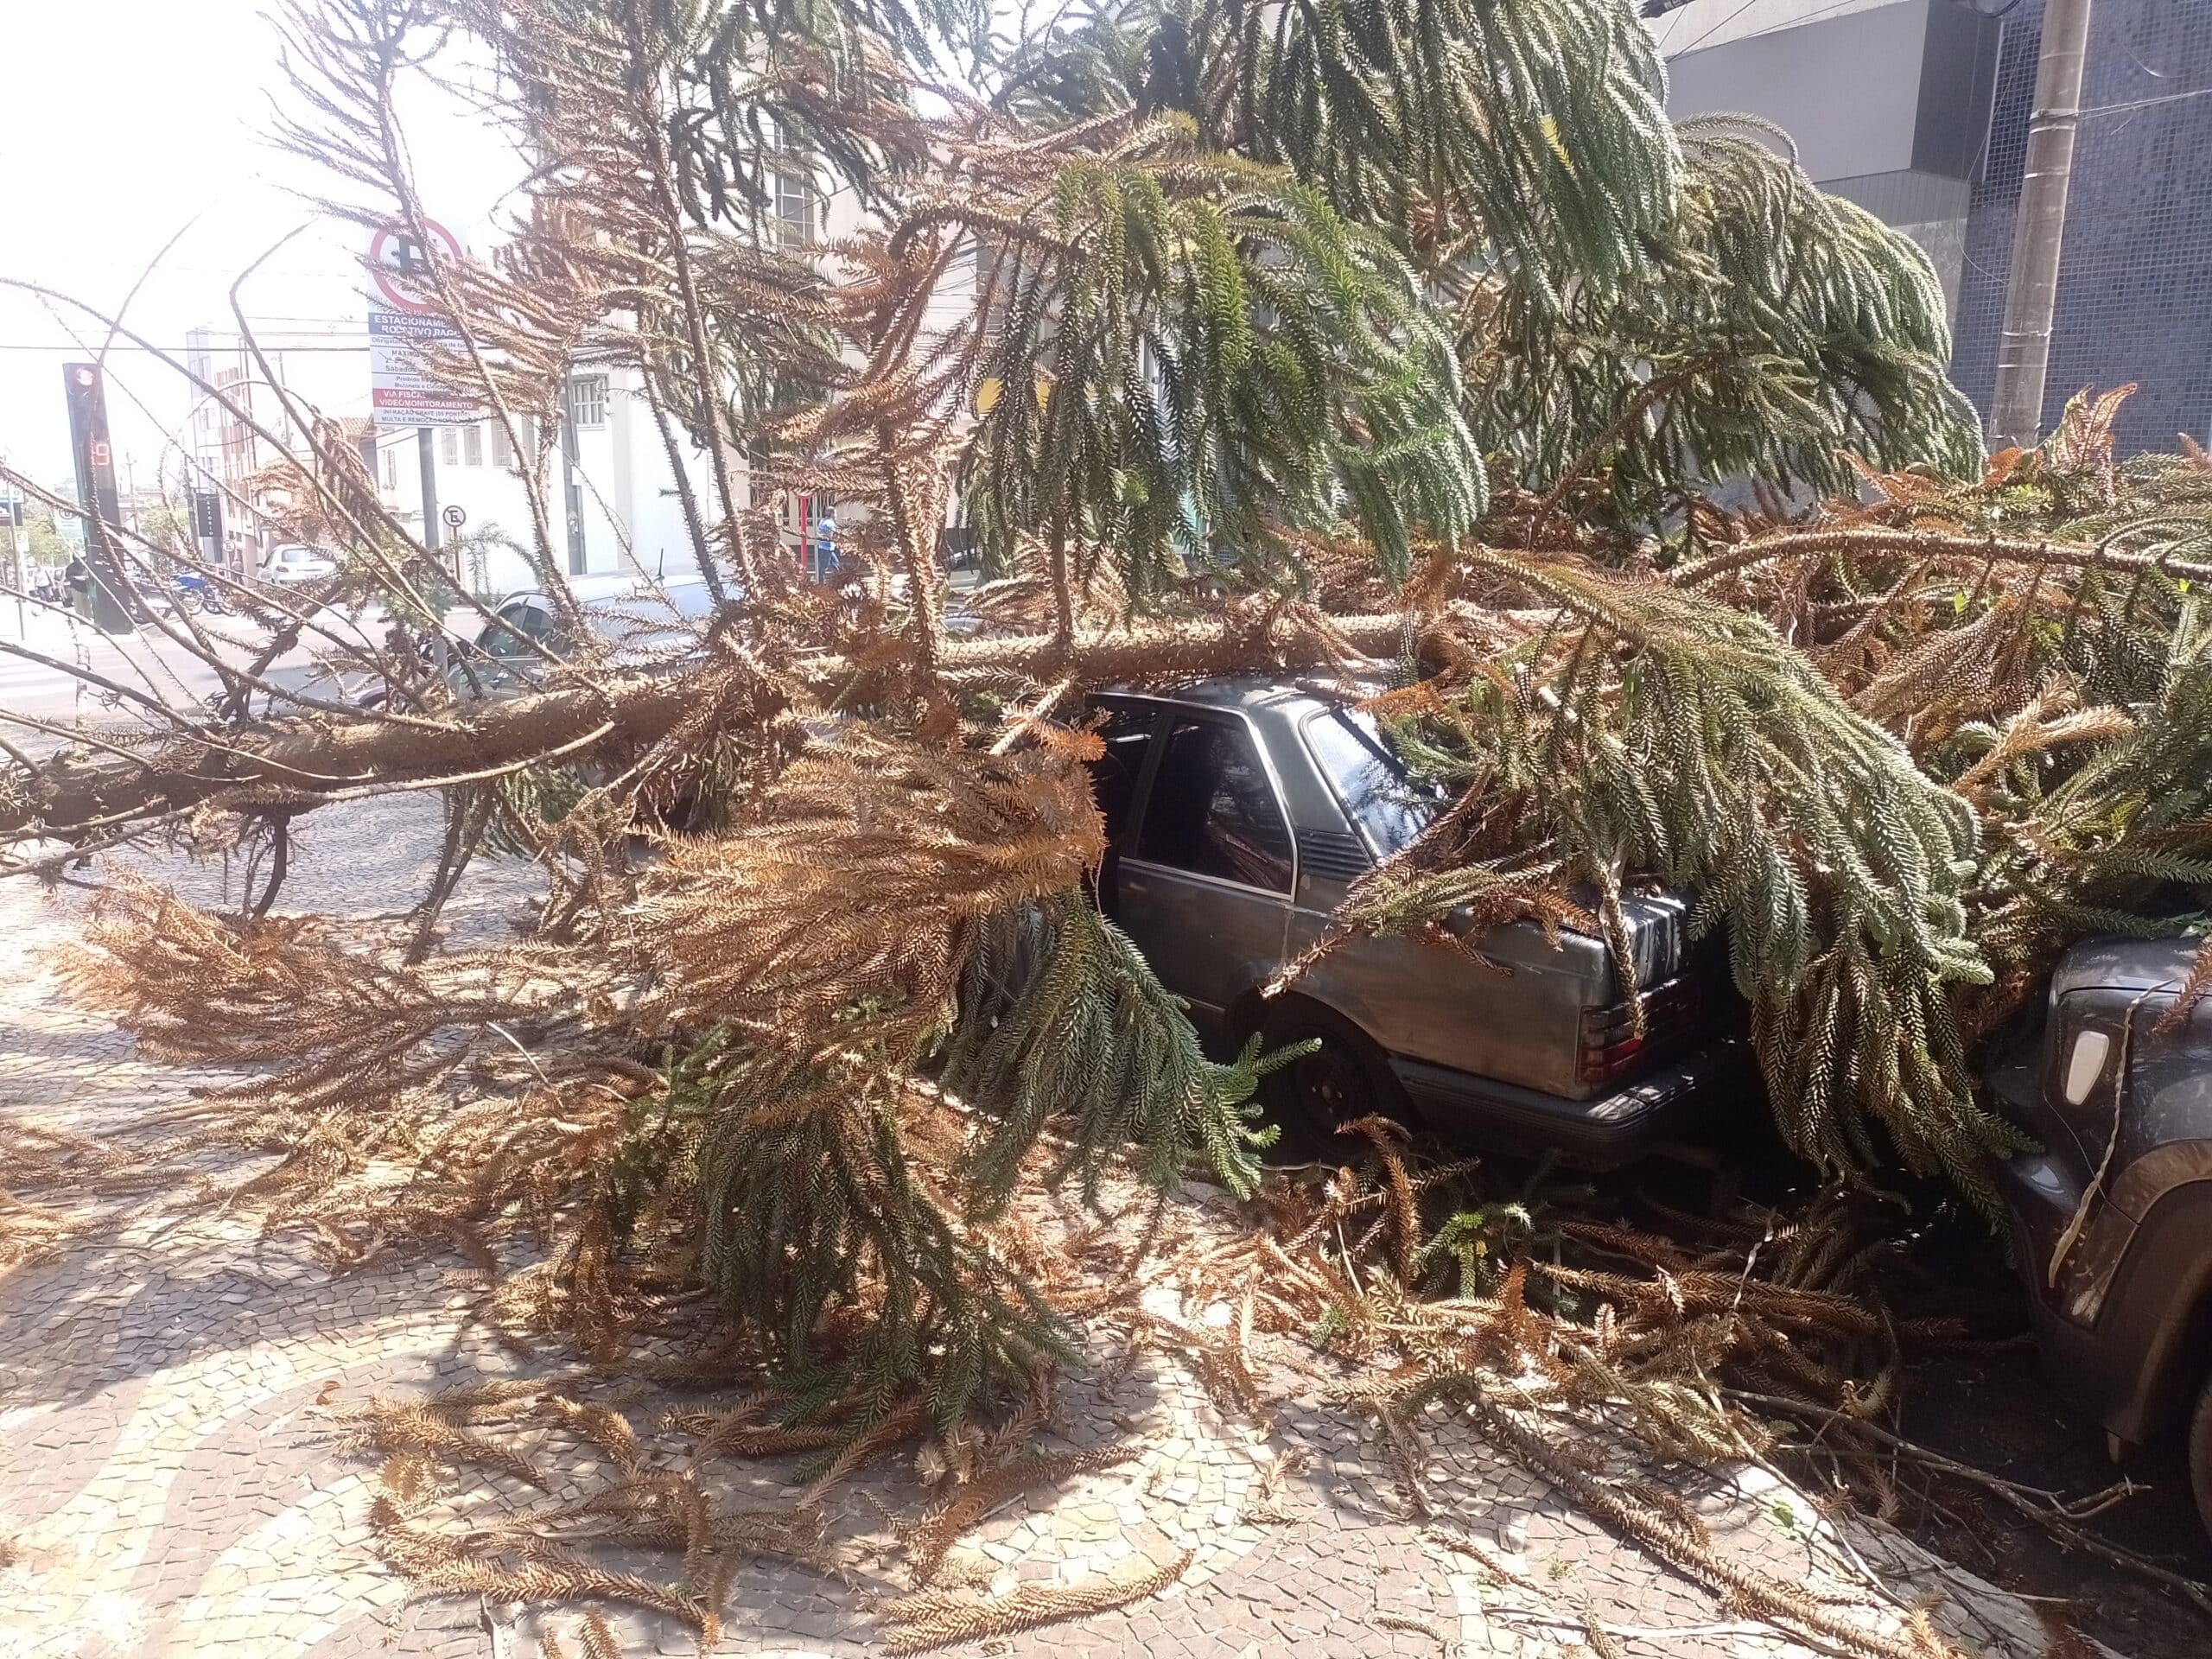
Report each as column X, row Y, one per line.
column 1599, row 1134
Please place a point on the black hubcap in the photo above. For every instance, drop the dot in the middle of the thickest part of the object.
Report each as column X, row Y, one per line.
column 1329, row 1084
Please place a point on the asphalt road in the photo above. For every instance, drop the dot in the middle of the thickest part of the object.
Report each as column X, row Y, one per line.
column 38, row 690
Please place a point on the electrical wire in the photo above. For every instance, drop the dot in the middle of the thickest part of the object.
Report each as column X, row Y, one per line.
column 177, row 351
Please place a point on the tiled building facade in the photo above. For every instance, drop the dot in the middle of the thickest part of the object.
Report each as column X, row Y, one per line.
column 1918, row 109
column 2135, row 282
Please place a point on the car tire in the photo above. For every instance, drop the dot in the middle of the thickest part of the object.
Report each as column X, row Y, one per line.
column 2200, row 1456
column 1347, row 1075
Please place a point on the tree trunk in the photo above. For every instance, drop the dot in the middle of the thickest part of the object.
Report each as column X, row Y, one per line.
column 299, row 765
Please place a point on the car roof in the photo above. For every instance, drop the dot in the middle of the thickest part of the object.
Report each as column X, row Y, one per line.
column 640, row 621
column 603, row 591
column 1249, row 691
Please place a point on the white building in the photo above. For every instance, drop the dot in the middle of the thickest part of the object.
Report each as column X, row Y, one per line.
column 611, row 500
column 233, row 404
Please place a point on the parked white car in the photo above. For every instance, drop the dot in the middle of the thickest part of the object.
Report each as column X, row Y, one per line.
column 293, row 565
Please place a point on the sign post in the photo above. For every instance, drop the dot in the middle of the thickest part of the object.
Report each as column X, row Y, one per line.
column 405, row 330
column 426, row 461
column 19, row 547
column 207, row 528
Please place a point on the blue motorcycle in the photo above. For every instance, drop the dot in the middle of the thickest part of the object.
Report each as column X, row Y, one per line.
column 195, row 593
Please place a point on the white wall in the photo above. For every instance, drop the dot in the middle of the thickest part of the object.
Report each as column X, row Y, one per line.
column 631, row 516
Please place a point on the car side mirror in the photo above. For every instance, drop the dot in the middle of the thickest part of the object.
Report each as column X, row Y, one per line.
column 2085, row 1065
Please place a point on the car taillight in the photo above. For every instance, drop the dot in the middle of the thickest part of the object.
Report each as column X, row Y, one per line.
column 1614, row 1046
column 1610, row 1064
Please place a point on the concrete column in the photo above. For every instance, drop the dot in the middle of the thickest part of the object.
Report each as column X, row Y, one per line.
column 2039, row 233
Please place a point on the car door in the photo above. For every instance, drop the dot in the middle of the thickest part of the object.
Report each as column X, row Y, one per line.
column 1205, row 884
column 1126, row 729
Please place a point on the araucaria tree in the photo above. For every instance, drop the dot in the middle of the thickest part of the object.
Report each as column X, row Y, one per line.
column 1402, row 341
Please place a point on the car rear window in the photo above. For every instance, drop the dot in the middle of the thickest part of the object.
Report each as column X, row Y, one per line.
column 691, row 598
column 1350, row 749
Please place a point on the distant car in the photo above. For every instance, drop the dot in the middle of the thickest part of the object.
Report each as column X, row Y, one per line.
column 292, row 565
column 2112, row 1217
column 1238, row 812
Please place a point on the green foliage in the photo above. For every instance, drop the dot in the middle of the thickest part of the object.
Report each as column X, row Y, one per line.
column 1061, row 1016
column 1472, row 1243
column 49, row 545
column 1522, row 133
column 811, row 1194
column 1220, row 357
column 1679, row 738
column 1776, row 332
column 1678, row 307
column 2114, row 838
column 167, row 527
column 532, row 800
column 808, row 1207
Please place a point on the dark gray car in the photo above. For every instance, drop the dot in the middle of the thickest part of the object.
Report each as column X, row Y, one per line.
column 2112, row 1218
column 1238, row 812
column 636, row 623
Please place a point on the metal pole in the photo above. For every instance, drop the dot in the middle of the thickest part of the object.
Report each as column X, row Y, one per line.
column 2039, row 232
column 572, row 498
column 427, row 455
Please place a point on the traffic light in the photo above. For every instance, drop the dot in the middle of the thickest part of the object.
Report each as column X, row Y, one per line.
column 82, row 384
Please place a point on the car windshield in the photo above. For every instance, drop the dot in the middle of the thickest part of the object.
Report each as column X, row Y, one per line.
column 1388, row 806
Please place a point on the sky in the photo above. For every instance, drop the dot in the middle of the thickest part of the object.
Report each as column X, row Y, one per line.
column 125, row 124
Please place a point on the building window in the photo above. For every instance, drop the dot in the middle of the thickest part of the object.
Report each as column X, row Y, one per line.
column 448, row 446
column 503, row 452
column 587, row 400
column 472, row 445
column 391, row 458
column 794, row 220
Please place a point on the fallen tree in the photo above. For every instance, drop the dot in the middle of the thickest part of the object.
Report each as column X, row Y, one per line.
column 1425, row 401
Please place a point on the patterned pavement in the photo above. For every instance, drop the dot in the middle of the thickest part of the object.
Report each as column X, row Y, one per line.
column 173, row 1480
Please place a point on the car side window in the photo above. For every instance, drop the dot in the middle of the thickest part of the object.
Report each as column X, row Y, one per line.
column 505, row 637
column 1213, row 809
column 1127, row 733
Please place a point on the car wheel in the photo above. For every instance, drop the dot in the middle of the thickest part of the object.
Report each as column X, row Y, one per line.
column 1344, row 1077
column 2200, row 1456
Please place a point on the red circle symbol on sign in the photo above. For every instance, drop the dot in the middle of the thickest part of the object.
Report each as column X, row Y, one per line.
column 401, row 266
column 454, row 516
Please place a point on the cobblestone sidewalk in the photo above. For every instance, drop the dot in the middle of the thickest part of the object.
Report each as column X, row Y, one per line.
column 170, row 1485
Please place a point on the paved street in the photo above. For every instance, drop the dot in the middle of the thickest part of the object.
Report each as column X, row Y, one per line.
column 170, row 1481
column 148, row 662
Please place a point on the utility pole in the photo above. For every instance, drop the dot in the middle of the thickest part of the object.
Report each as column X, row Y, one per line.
column 2039, row 232
column 572, row 495
column 426, row 455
